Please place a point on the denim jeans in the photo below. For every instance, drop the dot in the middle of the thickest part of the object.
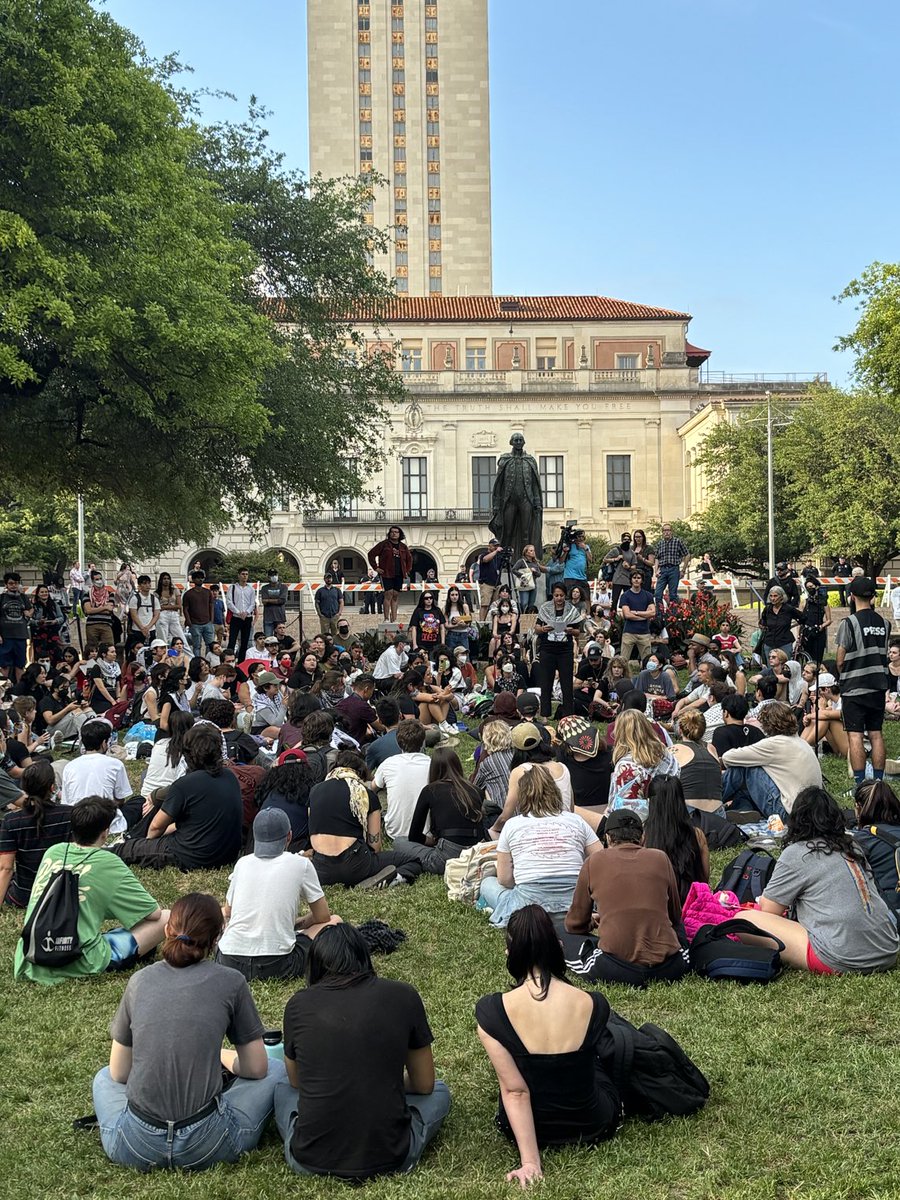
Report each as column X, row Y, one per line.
column 205, row 633
column 756, row 785
column 667, row 577
column 427, row 1113
column 526, row 599
column 223, row 1136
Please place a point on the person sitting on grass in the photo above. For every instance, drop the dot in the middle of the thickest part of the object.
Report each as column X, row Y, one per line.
column 402, row 777
column 450, row 808
column 361, row 1098
column 628, row 897
column 113, row 895
column 542, row 1040
column 494, row 765
column 539, row 852
column 163, row 1101
column 828, row 721
column 345, row 830
column 701, row 775
column 669, row 828
column 263, row 937
column 638, row 757
column 529, row 747
column 199, row 822
column 769, row 775
column 29, row 828
column 841, row 923
column 877, row 808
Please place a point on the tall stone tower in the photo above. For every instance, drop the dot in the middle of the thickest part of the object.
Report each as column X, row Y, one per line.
column 401, row 89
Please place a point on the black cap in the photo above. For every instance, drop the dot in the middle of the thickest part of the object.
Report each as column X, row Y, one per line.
column 623, row 818
column 862, row 586
column 528, row 702
column 782, row 566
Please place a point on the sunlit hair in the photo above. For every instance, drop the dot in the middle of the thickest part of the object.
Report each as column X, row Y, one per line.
column 778, row 718
column 692, row 725
column 496, row 735
column 195, row 925
column 635, row 736
column 538, row 794
column 619, row 662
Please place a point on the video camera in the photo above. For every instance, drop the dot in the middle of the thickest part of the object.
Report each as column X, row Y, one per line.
column 568, row 534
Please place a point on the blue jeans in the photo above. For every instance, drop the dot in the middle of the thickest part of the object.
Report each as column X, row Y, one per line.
column 427, row 1113
column 457, row 637
column 202, row 633
column 756, row 785
column 667, row 577
column 526, row 599
column 228, row 1132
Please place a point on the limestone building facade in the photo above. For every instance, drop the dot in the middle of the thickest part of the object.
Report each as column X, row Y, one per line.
column 400, row 91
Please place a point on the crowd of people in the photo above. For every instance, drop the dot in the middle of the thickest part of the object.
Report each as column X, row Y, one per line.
column 601, row 773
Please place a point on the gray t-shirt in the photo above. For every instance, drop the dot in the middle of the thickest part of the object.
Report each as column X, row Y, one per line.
column 174, row 1019
column 850, row 927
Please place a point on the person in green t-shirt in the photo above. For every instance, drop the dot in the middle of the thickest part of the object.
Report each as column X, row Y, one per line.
column 107, row 891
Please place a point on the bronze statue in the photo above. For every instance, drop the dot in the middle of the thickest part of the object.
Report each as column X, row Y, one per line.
column 518, row 504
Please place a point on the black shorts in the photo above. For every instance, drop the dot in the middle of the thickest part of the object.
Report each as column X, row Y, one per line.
column 270, row 966
column 393, row 585
column 863, row 714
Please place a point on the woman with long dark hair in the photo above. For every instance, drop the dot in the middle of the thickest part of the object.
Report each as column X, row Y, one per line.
column 163, row 1100
column 542, row 1039
column 167, row 756
column 28, row 830
column 299, row 707
column 669, row 828
column 307, row 672
column 558, row 622
column 452, row 808
column 458, row 616
column 361, row 1098
column 169, row 623
column 645, row 557
column 46, row 623
column 426, row 624
column 172, row 697
column 841, row 923
column 287, row 786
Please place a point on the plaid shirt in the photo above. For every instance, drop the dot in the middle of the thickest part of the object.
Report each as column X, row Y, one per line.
column 670, row 552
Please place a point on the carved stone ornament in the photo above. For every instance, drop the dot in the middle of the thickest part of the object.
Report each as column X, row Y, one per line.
column 483, row 439
column 413, row 417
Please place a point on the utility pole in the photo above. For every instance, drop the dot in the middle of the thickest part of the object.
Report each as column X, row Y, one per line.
column 771, row 484
column 81, row 561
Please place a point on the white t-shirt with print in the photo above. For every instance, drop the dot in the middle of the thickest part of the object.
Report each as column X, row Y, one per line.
column 546, row 847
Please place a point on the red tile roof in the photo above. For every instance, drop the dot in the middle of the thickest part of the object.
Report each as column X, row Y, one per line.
column 695, row 356
column 514, row 309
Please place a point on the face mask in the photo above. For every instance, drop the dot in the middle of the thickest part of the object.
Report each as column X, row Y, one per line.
column 100, row 581
column 507, row 668
column 274, row 578
column 652, row 666
column 45, row 664
column 463, row 658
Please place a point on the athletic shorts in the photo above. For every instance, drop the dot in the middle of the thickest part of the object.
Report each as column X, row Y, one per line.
column 815, row 964
column 13, row 652
column 863, row 714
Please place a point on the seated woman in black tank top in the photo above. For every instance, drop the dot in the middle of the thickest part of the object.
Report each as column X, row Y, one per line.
column 701, row 773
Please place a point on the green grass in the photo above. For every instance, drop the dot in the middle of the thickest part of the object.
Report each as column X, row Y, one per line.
column 803, row 1074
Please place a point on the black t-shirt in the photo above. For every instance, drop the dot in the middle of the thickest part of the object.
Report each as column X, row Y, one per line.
column 240, row 746
column 589, row 674
column 447, row 818
column 428, row 623
column 734, row 737
column 572, row 1099
column 330, row 811
column 777, row 626
column 351, row 1045
column 17, row 752
column 302, row 680
column 208, row 812
column 590, row 777
column 19, row 835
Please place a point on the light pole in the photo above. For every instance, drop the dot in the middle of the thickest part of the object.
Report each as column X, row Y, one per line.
column 771, row 484
column 80, row 531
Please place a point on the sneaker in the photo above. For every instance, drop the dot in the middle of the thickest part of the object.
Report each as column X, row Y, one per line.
column 379, row 880
column 400, row 882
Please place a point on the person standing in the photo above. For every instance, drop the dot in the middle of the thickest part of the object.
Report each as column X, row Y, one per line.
column 775, row 621
column 842, row 569
column 558, row 622
column 76, row 582
column 393, row 562
column 862, row 660
column 273, row 597
column 816, row 619
column 168, row 620
column 786, row 580
column 644, row 557
column 488, row 575
column 623, row 558
column 143, row 610
column 526, row 572
column 329, row 602
column 577, row 557
column 638, row 609
column 671, row 557
column 199, row 609
column 241, row 602
column 371, row 599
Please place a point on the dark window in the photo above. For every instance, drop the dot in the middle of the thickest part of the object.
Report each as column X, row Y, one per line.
column 484, row 472
column 618, row 481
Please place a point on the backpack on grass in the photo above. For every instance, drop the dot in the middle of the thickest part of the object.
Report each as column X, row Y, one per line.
column 463, row 875
column 747, row 875
column 885, row 863
column 654, row 1076
column 716, row 956
column 50, row 935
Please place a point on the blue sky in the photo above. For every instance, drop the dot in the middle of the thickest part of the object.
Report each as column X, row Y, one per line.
column 733, row 158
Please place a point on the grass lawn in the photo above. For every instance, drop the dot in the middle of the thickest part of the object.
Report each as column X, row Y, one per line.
column 803, row 1077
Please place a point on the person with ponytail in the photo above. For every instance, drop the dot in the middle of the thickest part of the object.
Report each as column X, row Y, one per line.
column 542, row 1039
column 35, row 823
column 171, row 1096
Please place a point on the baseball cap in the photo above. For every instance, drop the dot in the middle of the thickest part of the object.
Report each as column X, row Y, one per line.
column 460, row 650
column 526, row 736
column 504, row 705
column 493, row 542
column 826, row 679
column 782, row 566
column 593, row 650
column 528, row 702
column 294, row 754
column 579, row 734
column 863, row 587
column 270, row 828
column 264, row 678
column 158, row 644
column 271, row 641
column 621, row 818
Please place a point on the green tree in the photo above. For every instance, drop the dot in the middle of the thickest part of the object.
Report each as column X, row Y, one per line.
column 876, row 339
column 845, row 467
column 734, row 527
column 43, row 531
column 141, row 362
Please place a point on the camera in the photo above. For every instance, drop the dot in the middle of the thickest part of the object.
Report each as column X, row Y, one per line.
column 568, row 535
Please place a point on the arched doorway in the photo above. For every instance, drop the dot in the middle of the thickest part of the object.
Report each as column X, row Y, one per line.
column 210, row 561
column 422, row 562
column 473, row 556
column 354, row 567
column 292, row 564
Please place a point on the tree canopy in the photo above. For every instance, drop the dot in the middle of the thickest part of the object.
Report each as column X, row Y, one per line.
column 141, row 363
